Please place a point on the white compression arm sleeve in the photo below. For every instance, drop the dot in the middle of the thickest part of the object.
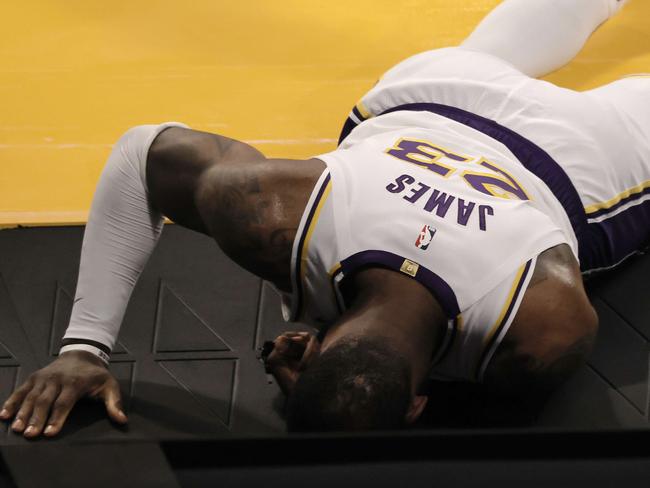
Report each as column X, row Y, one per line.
column 121, row 234
column 540, row 36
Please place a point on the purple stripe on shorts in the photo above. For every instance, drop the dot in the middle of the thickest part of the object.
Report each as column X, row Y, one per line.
column 439, row 287
column 624, row 233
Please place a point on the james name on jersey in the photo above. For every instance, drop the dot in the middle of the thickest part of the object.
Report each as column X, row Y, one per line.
column 439, row 202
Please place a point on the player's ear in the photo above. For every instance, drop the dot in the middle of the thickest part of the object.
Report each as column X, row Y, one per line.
column 418, row 402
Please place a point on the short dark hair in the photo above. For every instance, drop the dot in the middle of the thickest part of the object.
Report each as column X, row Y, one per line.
column 359, row 383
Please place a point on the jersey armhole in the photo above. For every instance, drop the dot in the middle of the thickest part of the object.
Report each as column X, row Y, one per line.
column 473, row 337
column 498, row 308
column 293, row 303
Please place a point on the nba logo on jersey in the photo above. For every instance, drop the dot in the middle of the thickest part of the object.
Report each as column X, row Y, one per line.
column 424, row 239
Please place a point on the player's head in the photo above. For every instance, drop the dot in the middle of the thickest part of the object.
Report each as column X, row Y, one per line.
column 358, row 383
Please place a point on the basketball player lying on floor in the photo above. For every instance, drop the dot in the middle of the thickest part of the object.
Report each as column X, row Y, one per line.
column 444, row 237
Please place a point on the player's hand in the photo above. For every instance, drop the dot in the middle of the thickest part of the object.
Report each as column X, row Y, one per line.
column 43, row 402
column 293, row 352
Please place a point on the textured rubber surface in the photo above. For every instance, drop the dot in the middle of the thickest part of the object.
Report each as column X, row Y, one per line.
column 188, row 351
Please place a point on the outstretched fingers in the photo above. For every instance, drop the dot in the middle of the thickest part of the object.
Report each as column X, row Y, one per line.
column 42, row 404
column 27, row 407
column 113, row 401
column 41, row 409
column 13, row 403
column 60, row 410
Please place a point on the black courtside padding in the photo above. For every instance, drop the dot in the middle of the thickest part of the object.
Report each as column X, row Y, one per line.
column 129, row 464
column 187, row 361
column 504, row 458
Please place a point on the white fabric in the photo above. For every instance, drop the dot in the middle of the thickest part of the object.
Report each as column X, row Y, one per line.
column 88, row 348
column 539, row 36
column 588, row 133
column 366, row 215
column 471, row 344
column 567, row 124
column 121, row 234
column 324, row 306
column 367, row 210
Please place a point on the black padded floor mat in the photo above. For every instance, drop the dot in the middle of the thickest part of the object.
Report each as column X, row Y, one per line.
column 187, row 353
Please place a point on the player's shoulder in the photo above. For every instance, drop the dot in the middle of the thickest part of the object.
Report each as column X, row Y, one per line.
column 555, row 311
column 176, row 143
column 554, row 329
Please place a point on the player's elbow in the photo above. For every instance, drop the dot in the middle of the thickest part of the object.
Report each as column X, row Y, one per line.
column 567, row 345
column 533, row 368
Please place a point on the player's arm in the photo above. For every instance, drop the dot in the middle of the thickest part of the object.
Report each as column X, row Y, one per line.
column 251, row 205
column 140, row 183
column 551, row 335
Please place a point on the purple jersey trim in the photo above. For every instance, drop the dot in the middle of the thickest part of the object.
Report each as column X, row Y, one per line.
column 348, row 126
column 439, row 287
column 356, row 112
column 600, row 245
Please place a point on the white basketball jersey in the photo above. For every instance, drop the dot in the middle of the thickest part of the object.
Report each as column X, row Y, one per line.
column 436, row 200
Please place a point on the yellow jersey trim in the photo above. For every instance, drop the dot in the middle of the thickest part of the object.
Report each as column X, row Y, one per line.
column 304, row 256
column 515, row 290
column 365, row 113
column 334, row 269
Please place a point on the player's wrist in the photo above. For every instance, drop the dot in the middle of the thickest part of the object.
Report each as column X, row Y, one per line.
column 97, row 349
column 79, row 355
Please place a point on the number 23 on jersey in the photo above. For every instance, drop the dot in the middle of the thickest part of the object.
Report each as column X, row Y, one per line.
column 495, row 181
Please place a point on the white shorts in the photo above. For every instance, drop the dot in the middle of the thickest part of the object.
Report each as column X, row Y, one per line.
column 591, row 148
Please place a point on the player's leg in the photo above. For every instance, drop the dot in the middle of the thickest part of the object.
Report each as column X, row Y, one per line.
column 517, row 40
column 540, row 36
column 631, row 95
column 621, row 210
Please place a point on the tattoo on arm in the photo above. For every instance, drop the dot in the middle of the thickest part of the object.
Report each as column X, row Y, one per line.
column 232, row 207
column 240, row 216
